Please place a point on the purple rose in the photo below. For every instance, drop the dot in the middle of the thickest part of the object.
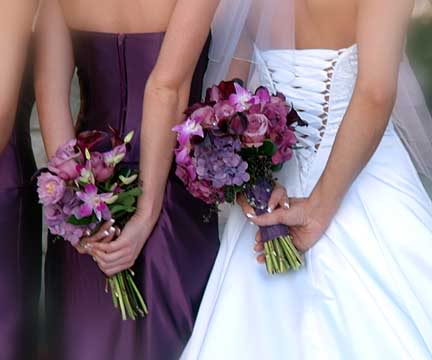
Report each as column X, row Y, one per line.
column 101, row 171
column 54, row 215
column 284, row 147
column 64, row 162
column 255, row 133
column 51, row 188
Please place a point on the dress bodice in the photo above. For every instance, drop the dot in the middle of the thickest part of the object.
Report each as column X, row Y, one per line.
column 113, row 70
column 320, row 84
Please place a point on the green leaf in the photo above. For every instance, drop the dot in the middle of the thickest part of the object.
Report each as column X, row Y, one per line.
column 276, row 168
column 268, row 148
column 84, row 221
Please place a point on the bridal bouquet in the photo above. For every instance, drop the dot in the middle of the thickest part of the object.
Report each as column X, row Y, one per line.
column 85, row 185
column 233, row 143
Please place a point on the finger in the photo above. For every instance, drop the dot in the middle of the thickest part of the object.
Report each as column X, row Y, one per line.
column 113, row 234
column 259, row 247
column 105, row 230
column 276, row 217
column 82, row 250
column 261, row 259
column 278, row 195
column 111, row 247
column 110, row 272
column 245, row 206
column 112, row 259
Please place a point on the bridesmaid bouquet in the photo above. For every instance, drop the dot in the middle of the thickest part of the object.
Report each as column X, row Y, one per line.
column 85, row 184
column 233, row 143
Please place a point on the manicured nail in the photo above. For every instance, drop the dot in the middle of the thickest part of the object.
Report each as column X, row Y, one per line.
column 112, row 221
column 250, row 222
column 250, row 216
column 106, row 233
column 94, row 259
column 87, row 232
column 111, row 230
column 286, row 205
column 269, row 210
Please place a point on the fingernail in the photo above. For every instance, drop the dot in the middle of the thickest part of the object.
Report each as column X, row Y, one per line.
column 250, row 222
column 94, row 259
column 286, row 205
column 87, row 233
column 111, row 230
column 106, row 233
column 112, row 221
column 250, row 216
column 269, row 210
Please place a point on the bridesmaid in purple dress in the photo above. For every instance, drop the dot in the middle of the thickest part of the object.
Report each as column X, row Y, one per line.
column 135, row 61
column 20, row 214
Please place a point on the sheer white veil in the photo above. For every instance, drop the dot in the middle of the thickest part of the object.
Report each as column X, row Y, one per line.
column 243, row 29
column 413, row 121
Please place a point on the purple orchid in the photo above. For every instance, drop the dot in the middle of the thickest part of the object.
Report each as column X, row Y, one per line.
column 94, row 203
column 242, row 99
column 188, row 129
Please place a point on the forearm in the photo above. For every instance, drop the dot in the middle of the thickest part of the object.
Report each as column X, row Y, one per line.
column 54, row 113
column 360, row 133
column 163, row 108
column 53, row 77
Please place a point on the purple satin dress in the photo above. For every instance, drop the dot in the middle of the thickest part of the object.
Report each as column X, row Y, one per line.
column 20, row 239
column 174, row 266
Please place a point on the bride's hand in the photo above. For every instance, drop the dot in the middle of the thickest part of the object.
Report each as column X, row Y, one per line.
column 279, row 198
column 121, row 254
column 306, row 219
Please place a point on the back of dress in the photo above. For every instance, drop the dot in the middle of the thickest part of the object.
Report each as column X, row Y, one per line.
column 175, row 263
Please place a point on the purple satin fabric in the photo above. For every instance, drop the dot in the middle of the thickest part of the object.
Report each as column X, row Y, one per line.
column 176, row 261
column 260, row 195
column 20, row 240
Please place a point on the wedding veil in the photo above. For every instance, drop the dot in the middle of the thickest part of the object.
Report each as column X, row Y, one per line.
column 244, row 29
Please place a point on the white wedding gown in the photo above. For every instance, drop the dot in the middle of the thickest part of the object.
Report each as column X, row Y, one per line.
column 366, row 289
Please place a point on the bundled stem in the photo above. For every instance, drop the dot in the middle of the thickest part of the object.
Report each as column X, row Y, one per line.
column 126, row 296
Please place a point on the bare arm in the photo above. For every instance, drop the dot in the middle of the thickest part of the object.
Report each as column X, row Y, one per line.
column 54, row 71
column 166, row 97
column 15, row 30
column 380, row 37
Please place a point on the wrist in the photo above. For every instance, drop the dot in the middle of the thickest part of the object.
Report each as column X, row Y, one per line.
column 323, row 205
column 148, row 209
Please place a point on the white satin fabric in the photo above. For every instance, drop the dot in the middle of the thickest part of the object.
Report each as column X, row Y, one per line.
column 365, row 292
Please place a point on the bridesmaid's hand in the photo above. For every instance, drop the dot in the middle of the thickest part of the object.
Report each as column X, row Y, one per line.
column 105, row 233
column 306, row 220
column 279, row 198
column 121, row 254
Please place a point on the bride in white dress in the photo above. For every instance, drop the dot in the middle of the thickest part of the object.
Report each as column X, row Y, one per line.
column 361, row 213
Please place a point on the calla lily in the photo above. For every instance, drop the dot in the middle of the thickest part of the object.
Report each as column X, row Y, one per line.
column 128, row 138
column 115, row 156
column 128, row 180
